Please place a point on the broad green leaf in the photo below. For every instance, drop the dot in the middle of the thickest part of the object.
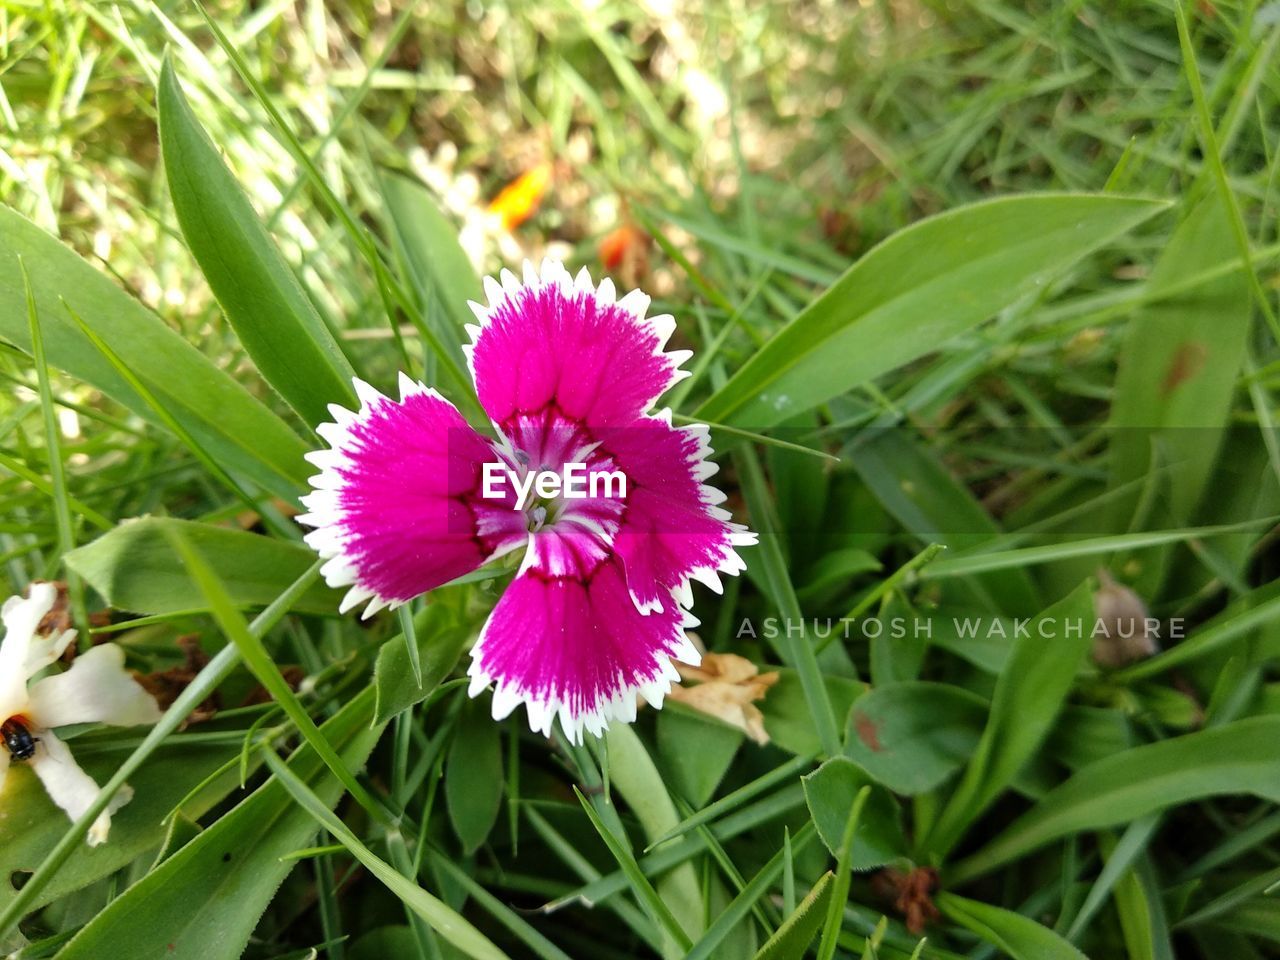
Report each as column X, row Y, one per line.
column 1028, row 697
column 437, row 264
column 204, row 902
column 135, row 568
column 276, row 323
column 227, row 421
column 474, row 776
column 31, row 824
column 792, row 939
column 972, row 635
column 1085, row 735
column 787, row 719
column 918, row 289
column 440, row 643
column 1234, row 758
column 1179, row 365
column 913, row 485
column 695, row 752
column 1018, row 936
column 830, row 791
column 909, row 737
column 383, row 942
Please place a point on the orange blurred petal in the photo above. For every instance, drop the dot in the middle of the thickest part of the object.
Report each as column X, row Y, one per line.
column 616, row 244
column 519, row 199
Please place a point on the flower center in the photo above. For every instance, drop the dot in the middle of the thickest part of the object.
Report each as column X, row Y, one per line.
column 543, row 511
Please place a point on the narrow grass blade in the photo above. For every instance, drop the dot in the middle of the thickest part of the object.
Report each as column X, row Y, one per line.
column 276, row 323
column 1234, row 758
column 518, row 926
column 1135, row 839
column 57, row 471
column 798, row 649
column 921, row 287
column 1028, row 697
column 200, row 688
column 405, row 612
column 732, row 801
column 1020, row 937
column 633, row 775
column 640, row 884
column 741, row 905
column 964, row 565
column 1213, row 154
column 802, row 924
column 259, row 661
column 448, row 924
column 840, row 887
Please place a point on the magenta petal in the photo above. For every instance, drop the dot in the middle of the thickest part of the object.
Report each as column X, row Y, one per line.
column 556, row 341
column 673, row 529
column 397, row 506
column 567, row 641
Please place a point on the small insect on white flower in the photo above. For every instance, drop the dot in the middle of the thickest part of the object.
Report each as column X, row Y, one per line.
column 95, row 689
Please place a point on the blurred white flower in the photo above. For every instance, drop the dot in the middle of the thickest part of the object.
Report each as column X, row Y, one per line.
column 95, row 689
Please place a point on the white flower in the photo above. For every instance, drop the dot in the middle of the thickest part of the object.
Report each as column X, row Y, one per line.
column 96, row 689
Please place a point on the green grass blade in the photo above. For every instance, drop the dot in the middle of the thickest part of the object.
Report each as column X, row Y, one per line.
column 741, row 905
column 643, row 889
column 405, row 613
column 840, row 888
column 275, row 321
column 1213, row 154
column 57, row 470
column 921, row 287
column 802, row 924
column 799, row 651
column 518, row 926
column 200, row 688
column 259, row 662
column 780, row 774
column 1028, row 697
column 1230, row 759
column 1020, row 937
column 237, row 429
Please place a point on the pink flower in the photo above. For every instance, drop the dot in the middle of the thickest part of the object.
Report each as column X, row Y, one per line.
column 410, row 497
